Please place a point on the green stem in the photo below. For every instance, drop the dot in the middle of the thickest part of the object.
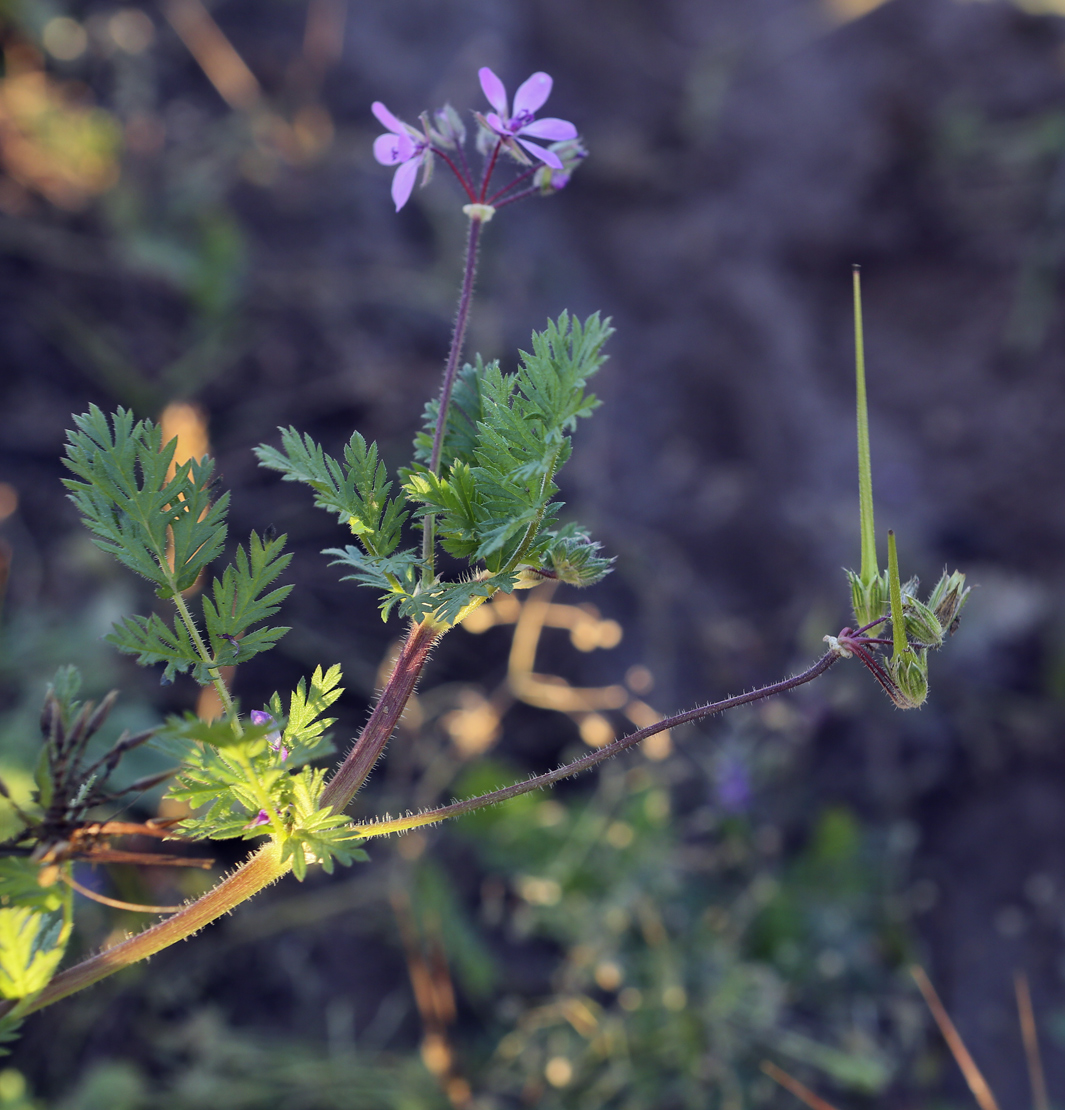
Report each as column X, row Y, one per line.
column 534, row 527
column 898, row 623
column 870, row 569
column 259, row 871
column 265, row 802
column 208, row 659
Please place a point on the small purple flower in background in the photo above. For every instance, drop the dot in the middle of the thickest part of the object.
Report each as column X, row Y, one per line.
column 405, row 148
column 511, row 128
column 258, row 717
column 733, row 784
column 263, row 818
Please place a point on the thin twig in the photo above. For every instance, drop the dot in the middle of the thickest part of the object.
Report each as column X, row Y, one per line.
column 1040, row 1101
column 790, row 1083
column 973, row 1076
column 114, row 903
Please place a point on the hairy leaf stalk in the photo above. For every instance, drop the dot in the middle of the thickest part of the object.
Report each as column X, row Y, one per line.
column 262, row 869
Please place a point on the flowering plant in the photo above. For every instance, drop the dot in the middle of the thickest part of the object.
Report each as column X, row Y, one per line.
column 481, row 487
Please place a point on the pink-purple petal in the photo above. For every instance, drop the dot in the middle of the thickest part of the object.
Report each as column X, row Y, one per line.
column 496, row 124
column 532, row 94
column 403, row 181
column 493, row 89
column 557, row 130
column 547, row 156
column 390, row 150
column 388, row 120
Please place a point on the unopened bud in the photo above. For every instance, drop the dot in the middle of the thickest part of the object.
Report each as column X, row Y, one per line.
column 922, row 625
column 947, row 599
column 869, row 601
column 909, row 673
column 446, row 128
column 571, row 152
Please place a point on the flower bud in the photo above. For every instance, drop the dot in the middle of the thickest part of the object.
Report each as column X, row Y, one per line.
column 870, row 602
column 446, row 128
column 571, row 152
column 909, row 673
column 922, row 625
column 947, row 599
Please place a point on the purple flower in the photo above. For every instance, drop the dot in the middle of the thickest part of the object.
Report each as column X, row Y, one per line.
column 733, row 784
column 263, row 818
column 510, row 128
column 258, row 717
column 405, row 147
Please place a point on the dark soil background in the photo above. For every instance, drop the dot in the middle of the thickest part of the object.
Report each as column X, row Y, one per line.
column 744, row 153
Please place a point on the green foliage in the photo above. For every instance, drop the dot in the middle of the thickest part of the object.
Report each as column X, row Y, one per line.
column 357, row 490
column 31, row 945
column 303, row 734
column 676, row 946
column 493, row 499
column 168, row 529
column 465, row 413
column 492, row 503
column 240, row 601
column 233, row 776
column 133, row 510
column 317, row 835
column 19, row 886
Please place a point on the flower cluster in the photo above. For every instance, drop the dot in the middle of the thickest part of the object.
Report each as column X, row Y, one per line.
column 506, row 127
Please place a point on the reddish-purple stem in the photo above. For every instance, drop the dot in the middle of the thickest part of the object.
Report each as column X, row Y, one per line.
column 454, row 169
column 592, row 758
column 519, row 196
column 517, row 181
column 457, row 338
column 358, row 764
column 488, row 170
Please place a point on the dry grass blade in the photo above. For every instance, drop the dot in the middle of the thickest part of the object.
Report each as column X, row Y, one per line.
column 1031, row 1042
column 790, row 1083
column 114, row 903
column 973, row 1076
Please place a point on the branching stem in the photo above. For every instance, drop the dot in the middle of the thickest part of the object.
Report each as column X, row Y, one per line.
column 586, row 762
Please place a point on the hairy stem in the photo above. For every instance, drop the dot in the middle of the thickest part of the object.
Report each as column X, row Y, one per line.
column 456, row 809
column 358, row 764
column 265, row 866
column 262, row 869
column 458, row 337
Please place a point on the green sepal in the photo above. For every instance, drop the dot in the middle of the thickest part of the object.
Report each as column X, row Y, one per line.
column 948, row 598
column 869, row 600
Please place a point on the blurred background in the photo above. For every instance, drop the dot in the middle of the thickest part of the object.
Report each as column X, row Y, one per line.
column 192, row 225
